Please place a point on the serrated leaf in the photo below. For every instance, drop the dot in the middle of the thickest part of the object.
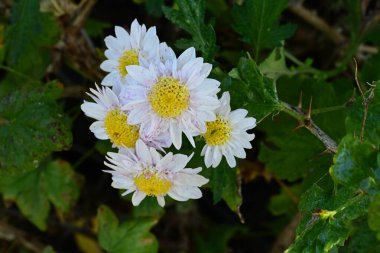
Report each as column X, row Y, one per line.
column 374, row 215
column 257, row 22
column 33, row 190
column 132, row 236
column 327, row 219
column 354, row 162
column 274, row 65
column 224, row 185
column 61, row 185
column 290, row 154
column 29, row 38
column 190, row 17
column 31, row 126
column 251, row 90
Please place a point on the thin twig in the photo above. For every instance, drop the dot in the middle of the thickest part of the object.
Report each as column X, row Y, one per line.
column 333, row 34
column 10, row 233
column 313, row 19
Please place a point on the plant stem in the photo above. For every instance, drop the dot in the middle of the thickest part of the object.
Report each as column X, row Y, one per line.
column 327, row 109
column 308, row 123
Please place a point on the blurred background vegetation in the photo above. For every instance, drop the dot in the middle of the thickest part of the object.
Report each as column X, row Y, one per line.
column 51, row 180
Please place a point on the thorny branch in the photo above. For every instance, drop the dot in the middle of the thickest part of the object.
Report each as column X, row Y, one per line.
column 306, row 121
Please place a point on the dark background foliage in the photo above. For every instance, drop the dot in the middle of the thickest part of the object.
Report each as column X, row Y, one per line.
column 310, row 183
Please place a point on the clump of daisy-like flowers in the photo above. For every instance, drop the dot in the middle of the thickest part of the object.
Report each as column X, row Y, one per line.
column 147, row 101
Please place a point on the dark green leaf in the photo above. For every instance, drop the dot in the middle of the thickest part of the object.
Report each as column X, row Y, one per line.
column 225, row 185
column 374, row 215
column 190, row 17
column 354, row 162
column 129, row 237
column 31, row 126
column 257, row 22
column 30, row 38
column 216, row 239
column 327, row 219
column 32, row 190
column 251, row 90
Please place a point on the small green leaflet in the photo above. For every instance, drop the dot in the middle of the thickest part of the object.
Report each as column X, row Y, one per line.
column 249, row 89
column 31, row 126
column 129, row 237
column 33, row 191
column 256, row 21
column 189, row 15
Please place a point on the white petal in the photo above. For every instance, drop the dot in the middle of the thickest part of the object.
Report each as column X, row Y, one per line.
column 142, row 152
column 161, row 201
column 217, row 157
column 137, row 197
column 109, row 65
column 175, row 135
column 185, row 57
column 230, row 159
column 141, row 75
column 237, row 115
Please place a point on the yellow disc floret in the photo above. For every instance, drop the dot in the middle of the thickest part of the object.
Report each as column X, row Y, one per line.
column 120, row 133
column 152, row 184
column 218, row 132
column 129, row 57
column 168, row 97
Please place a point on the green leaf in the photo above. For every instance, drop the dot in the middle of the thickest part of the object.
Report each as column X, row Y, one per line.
column 362, row 239
column 274, row 65
column 148, row 208
column 354, row 162
column 95, row 27
column 216, row 239
column 30, row 38
column 132, row 236
column 189, row 16
column 31, row 126
column 355, row 116
column 291, row 154
column 327, row 219
column 249, row 89
column 374, row 215
column 283, row 203
column 225, row 185
column 257, row 22
column 32, row 190
column 48, row 249
column 61, row 185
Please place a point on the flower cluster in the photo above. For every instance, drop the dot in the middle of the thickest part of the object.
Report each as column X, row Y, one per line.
column 147, row 101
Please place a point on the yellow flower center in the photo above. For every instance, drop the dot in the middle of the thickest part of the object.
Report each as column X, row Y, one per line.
column 129, row 57
column 168, row 97
column 120, row 133
column 218, row 131
column 152, row 184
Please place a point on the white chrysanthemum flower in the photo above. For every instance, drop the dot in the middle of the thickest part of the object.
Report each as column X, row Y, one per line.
column 111, row 121
column 146, row 173
column 139, row 47
column 175, row 95
column 227, row 135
